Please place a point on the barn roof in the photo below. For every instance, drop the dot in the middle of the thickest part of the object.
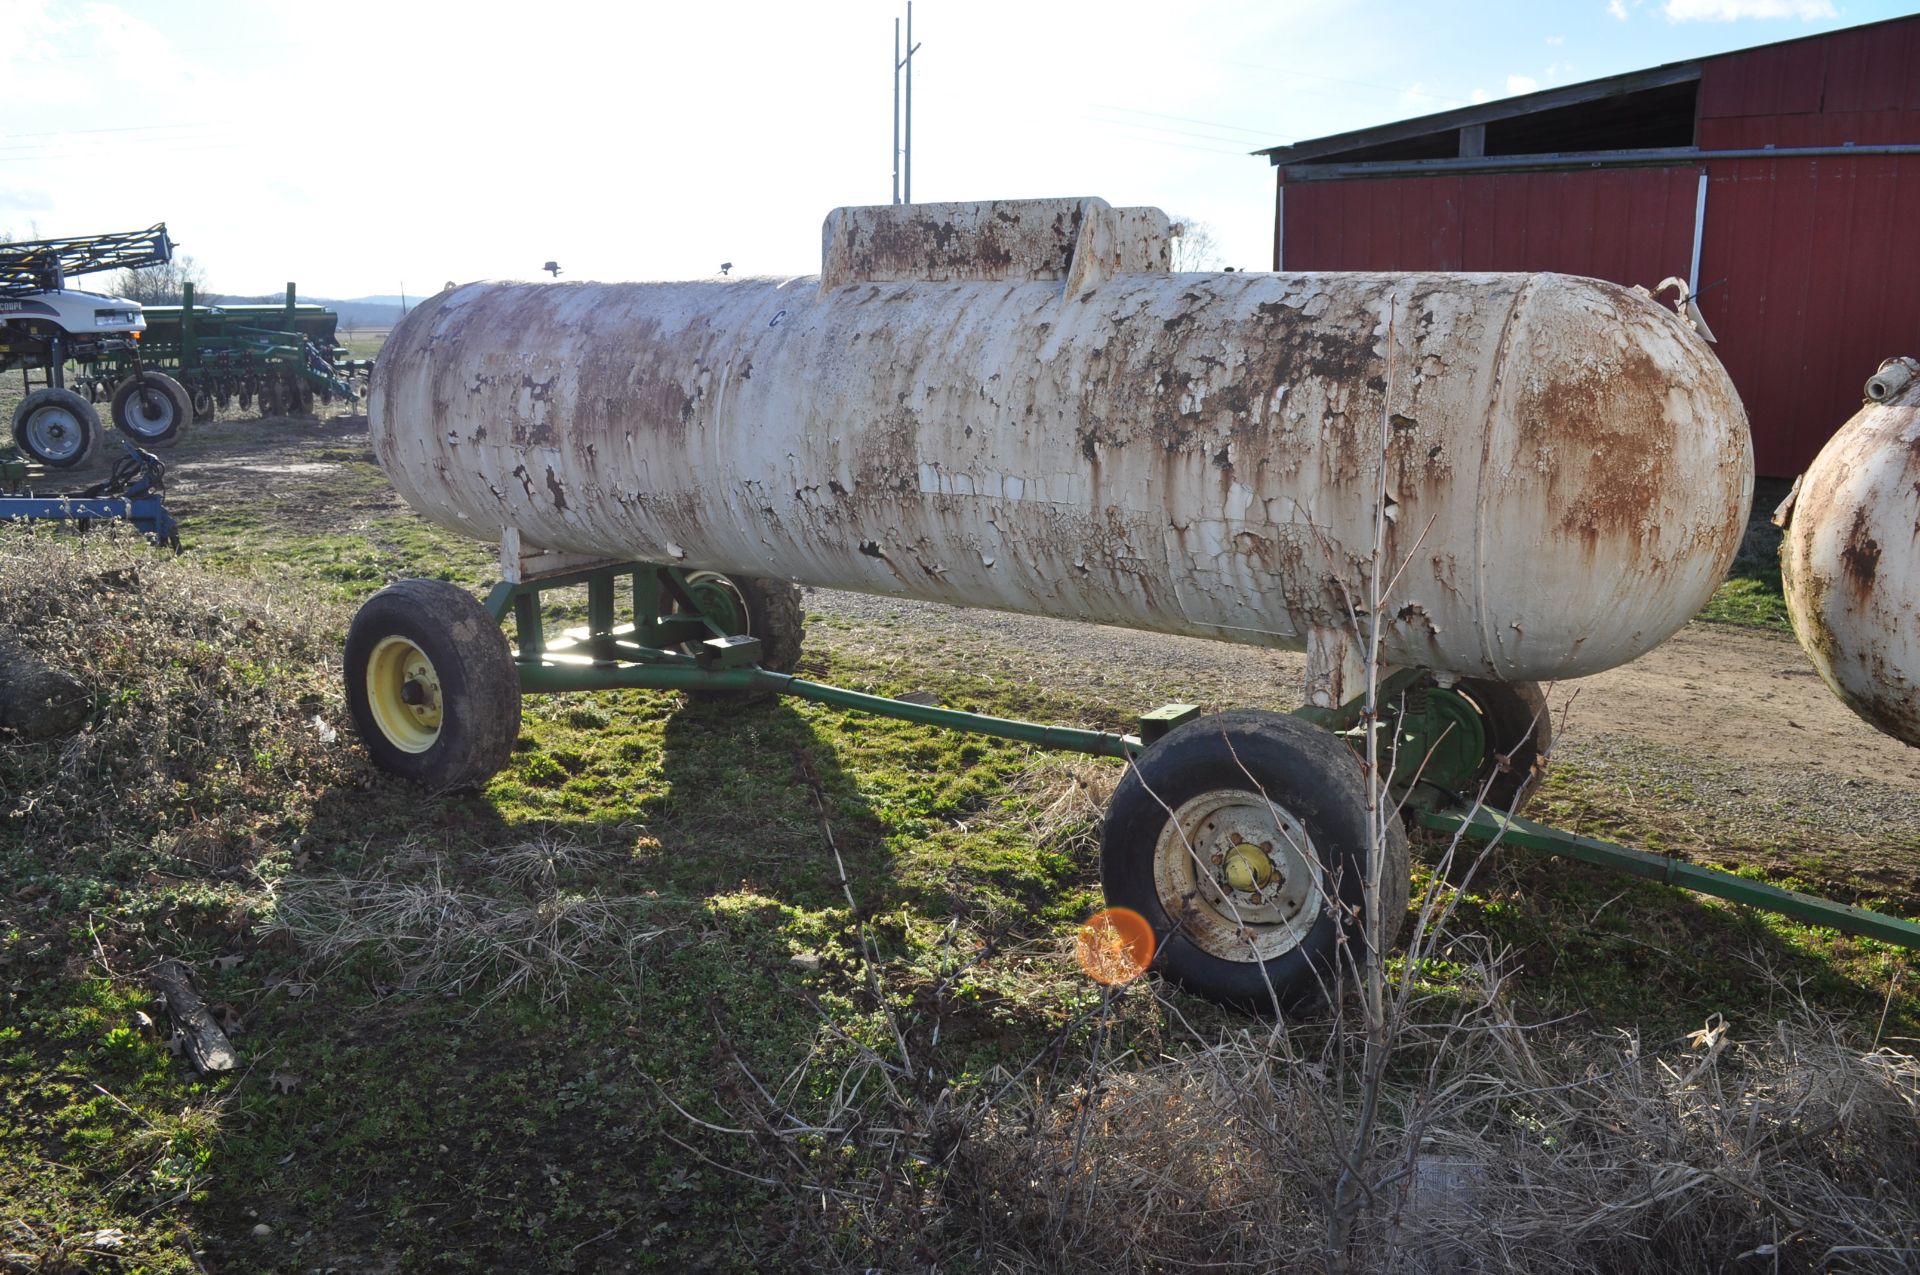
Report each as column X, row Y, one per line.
column 1639, row 115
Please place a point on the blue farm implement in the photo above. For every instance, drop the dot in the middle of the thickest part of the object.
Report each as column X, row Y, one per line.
column 130, row 494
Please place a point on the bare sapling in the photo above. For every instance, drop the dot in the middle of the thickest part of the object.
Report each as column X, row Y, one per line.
column 1365, row 1174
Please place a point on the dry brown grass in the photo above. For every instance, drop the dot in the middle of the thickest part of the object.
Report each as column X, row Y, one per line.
column 216, row 703
column 1511, row 1150
column 492, row 925
column 1067, row 794
column 1793, row 1152
column 1499, row 1146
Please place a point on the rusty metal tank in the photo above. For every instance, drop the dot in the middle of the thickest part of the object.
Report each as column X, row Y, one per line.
column 1015, row 405
column 1850, row 559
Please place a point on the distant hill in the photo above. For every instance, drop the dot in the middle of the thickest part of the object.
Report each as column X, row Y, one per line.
column 370, row 312
column 359, row 312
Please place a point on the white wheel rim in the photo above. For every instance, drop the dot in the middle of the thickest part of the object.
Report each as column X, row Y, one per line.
column 1223, row 834
column 144, row 417
column 55, row 432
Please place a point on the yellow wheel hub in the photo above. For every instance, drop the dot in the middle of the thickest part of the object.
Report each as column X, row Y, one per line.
column 1248, row 868
column 403, row 693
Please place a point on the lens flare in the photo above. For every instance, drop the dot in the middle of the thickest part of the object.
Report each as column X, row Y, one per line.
column 1115, row 946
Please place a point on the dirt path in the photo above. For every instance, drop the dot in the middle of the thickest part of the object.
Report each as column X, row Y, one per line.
column 1745, row 697
column 1725, row 734
column 1735, row 695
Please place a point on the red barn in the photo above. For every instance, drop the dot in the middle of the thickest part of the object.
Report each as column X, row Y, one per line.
column 1783, row 181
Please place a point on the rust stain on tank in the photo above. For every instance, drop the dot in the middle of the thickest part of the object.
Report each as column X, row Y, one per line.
column 1861, row 554
column 1625, row 469
column 1850, row 563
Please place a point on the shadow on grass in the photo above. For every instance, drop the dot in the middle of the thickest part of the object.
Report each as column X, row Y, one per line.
column 1611, row 950
column 425, row 1128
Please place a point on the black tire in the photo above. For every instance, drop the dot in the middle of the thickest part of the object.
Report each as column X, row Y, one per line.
column 451, row 724
column 56, row 427
column 1211, row 787
column 1520, row 734
column 204, row 407
column 766, row 609
column 271, row 398
column 151, row 408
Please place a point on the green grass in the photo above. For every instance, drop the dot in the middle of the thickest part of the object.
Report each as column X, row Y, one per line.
column 678, row 864
column 363, row 343
column 1751, row 598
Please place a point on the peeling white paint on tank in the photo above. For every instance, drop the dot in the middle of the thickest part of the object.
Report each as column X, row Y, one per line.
column 1850, row 560
column 1014, row 405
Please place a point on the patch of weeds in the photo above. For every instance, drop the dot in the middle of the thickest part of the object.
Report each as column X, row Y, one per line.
column 1752, row 598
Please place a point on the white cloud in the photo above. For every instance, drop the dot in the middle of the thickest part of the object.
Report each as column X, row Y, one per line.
column 1418, row 99
column 1734, row 10
column 1481, row 95
column 1518, row 84
column 1556, row 40
column 1617, row 9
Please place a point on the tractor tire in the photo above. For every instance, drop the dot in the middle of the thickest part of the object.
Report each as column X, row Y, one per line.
column 56, row 427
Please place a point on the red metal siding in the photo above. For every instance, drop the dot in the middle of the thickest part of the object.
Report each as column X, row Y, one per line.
column 1860, row 86
column 1860, row 128
column 1808, row 266
column 1629, row 225
column 1780, row 79
column 1874, row 70
column 1807, row 270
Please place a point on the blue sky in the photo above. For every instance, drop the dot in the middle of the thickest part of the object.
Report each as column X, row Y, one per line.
column 359, row 148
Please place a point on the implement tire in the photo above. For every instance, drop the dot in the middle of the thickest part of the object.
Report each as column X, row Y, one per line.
column 432, row 686
column 1242, row 839
column 770, row 610
column 56, row 427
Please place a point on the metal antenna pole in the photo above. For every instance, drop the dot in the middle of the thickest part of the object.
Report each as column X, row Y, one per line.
column 896, row 110
column 911, row 46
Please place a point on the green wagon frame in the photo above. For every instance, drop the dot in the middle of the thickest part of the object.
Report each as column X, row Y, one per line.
column 1241, row 837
